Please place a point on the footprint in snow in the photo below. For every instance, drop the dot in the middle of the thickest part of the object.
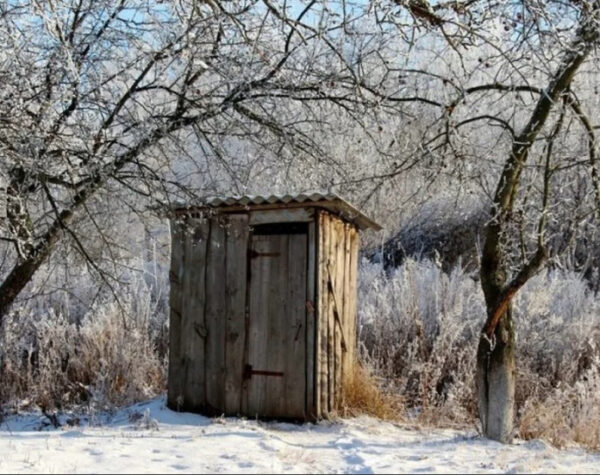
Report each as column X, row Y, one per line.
column 73, row 433
column 426, row 469
column 94, row 452
column 266, row 446
column 178, row 466
column 347, row 443
column 357, row 464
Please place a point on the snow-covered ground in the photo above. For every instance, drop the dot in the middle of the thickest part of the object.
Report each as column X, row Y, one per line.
column 148, row 437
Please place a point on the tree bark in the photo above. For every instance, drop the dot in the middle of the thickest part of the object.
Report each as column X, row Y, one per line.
column 27, row 266
column 496, row 380
column 495, row 356
column 23, row 271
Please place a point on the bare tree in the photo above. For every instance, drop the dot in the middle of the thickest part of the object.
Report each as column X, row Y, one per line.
column 114, row 94
column 137, row 97
column 503, row 76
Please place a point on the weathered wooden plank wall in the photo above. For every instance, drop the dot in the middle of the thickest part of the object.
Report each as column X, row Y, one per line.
column 346, row 317
column 193, row 328
column 176, row 303
column 235, row 310
column 323, row 315
column 339, row 303
column 206, row 348
column 298, row 314
column 336, row 353
column 311, row 328
column 294, row 338
column 216, row 284
column 351, row 307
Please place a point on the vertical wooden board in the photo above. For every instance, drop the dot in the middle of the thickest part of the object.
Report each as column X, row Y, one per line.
column 247, row 334
column 352, row 294
column 311, row 306
column 235, row 310
column 323, row 314
column 258, row 324
column 333, row 243
column 318, row 312
column 193, row 326
column 277, row 313
column 294, row 342
column 215, row 320
column 277, row 320
column 338, row 289
column 347, row 362
column 175, row 384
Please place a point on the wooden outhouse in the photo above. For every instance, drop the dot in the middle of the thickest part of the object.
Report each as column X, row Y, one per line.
column 263, row 305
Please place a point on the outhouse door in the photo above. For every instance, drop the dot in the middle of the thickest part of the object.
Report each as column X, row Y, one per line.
column 275, row 369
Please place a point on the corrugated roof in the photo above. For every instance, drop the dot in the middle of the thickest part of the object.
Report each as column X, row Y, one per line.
column 328, row 201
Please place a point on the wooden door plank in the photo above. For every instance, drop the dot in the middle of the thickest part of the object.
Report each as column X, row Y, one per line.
column 277, row 311
column 294, row 343
column 235, row 310
column 260, row 277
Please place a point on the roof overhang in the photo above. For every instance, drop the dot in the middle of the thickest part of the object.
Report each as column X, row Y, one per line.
column 328, row 201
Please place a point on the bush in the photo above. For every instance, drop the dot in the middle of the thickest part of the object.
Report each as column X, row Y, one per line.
column 418, row 332
column 419, row 329
column 112, row 355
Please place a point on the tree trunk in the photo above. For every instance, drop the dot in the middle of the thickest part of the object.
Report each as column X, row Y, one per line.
column 19, row 277
column 495, row 373
column 24, row 270
column 496, row 380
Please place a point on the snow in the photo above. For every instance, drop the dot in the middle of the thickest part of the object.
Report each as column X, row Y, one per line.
column 148, row 437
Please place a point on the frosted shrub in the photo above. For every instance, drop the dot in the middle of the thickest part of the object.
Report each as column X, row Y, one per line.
column 419, row 329
column 417, row 326
column 113, row 354
column 418, row 332
column 558, row 387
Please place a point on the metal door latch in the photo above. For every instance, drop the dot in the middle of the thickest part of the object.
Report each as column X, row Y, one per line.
column 249, row 372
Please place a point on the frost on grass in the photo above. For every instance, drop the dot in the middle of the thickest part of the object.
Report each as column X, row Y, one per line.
column 418, row 329
column 113, row 354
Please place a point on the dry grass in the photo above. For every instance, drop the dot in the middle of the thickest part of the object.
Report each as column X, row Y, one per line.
column 363, row 395
column 542, row 422
column 587, row 432
column 104, row 361
column 417, row 334
column 419, row 328
column 565, row 417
